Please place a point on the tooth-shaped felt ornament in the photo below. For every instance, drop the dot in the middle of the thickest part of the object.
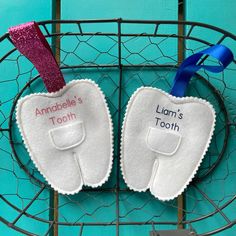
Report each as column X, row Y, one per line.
column 164, row 140
column 67, row 132
column 165, row 136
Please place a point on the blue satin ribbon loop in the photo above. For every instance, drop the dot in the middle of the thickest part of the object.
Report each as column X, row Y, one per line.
column 189, row 66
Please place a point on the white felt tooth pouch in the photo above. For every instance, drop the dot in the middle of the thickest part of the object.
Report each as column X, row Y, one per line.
column 67, row 132
column 165, row 136
column 164, row 140
column 68, row 135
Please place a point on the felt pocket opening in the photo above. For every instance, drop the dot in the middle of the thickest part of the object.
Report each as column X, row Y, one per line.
column 163, row 141
column 67, row 136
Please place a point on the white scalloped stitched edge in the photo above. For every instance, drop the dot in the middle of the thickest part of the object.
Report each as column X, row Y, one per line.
column 57, row 94
column 184, row 99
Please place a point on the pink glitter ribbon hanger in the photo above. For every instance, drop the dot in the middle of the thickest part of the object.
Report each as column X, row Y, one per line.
column 30, row 41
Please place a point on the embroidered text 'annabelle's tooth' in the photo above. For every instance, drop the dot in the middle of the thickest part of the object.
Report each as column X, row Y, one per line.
column 57, row 107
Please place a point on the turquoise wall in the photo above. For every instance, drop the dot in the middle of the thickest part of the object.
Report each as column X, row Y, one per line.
column 214, row 12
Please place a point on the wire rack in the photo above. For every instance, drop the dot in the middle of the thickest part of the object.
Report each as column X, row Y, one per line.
column 120, row 55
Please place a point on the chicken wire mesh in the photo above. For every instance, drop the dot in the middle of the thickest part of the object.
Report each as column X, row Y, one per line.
column 119, row 55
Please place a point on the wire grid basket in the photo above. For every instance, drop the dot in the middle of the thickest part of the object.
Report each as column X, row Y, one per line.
column 120, row 55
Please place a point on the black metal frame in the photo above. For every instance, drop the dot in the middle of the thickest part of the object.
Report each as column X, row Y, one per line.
column 120, row 67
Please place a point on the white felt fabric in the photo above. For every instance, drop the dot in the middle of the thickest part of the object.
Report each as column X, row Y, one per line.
column 164, row 139
column 68, row 135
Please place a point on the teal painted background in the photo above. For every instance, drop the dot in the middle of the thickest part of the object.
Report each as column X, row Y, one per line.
column 16, row 12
